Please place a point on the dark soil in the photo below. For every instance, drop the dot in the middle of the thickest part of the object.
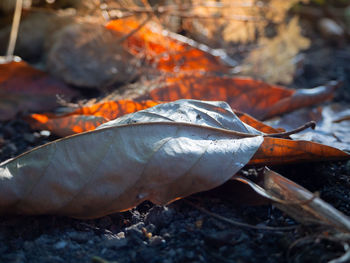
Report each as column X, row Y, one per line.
column 180, row 232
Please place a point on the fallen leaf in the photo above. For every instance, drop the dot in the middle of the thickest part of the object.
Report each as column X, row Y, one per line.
column 216, row 114
column 160, row 154
column 241, row 21
column 256, row 98
column 88, row 118
column 332, row 124
column 274, row 60
column 24, row 88
column 85, row 118
column 117, row 166
column 113, row 109
column 260, row 126
column 276, row 151
column 86, row 54
column 65, row 125
column 297, row 201
column 163, row 50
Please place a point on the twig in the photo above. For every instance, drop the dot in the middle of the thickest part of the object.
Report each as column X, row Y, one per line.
column 14, row 29
column 235, row 223
column 345, row 118
column 242, row 18
column 184, row 10
column 185, row 7
column 310, row 124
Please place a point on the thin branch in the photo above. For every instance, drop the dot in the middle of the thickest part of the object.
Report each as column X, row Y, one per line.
column 183, row 11
column 235, row 223
column 14, row 29
column 310, row 124
column 186, row 7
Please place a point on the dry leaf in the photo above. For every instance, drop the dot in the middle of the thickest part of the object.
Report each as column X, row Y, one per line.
column 332, row 125
column 254, row 97
column 118, row 166
column 260, row 126
column 65, row 125
column 276, row 151
column 86, row 118
column 90, row 117
column 87, row 54
column 160, row 154
column 165, row 51
column 296, row 201
column 274, row 61
column 23, row 88
column 234, row 21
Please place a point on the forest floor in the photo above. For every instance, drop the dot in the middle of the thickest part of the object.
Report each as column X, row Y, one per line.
column 181, row 231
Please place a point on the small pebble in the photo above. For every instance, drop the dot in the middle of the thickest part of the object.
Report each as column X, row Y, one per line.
column 135, row 230
column 60, row 245
column 80, row 237
column 160, row 216
column 330, row 29
column 114, row 241
column 156, row 241
column 121, row 234
column 45, row 133
column 151, row 228
column 29, row 137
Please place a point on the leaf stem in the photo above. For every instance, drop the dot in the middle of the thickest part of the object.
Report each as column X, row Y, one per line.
column 310, row 124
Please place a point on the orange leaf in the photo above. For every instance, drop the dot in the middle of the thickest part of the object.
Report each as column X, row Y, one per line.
column 23, row 88
column 89, row 117
column 114, row 109
column 167, row 53
column 256, row 124
column 65, row 125
column 86, row 118
column 275, row 151
column 257, row 98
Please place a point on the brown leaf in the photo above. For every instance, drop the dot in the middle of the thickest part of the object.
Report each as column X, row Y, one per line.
column 23, row 88
column 87, row 54
column 275, row 59
column 260, row 126
column 275, row 151
column 90, row 117
column 162, row 50
column 86, row 118
column 223, row 21
column 296, row 201
column 253, row 97
column 129, row 160
column 332, row 124
column 159, row 154
column 65, row 125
